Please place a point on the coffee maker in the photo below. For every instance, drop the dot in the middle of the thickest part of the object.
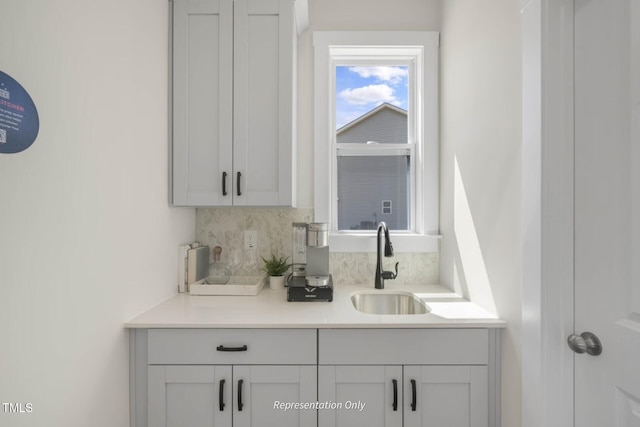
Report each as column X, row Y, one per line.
column 310, row 280
column 299, row 249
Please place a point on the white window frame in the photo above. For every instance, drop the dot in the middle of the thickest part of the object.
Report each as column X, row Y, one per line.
column 418, row 50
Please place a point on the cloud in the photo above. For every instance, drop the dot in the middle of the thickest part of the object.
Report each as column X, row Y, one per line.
column 393, row 75
column 372, row 94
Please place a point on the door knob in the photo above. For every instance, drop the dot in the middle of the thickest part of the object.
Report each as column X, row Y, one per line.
column 586, row 342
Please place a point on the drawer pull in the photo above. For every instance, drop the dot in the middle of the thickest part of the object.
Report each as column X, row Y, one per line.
column 224, row 183
column 238, row 185
column 413, row 398
column 395, row 394
column 240, row 405
column 221, row 396
column 223, row 348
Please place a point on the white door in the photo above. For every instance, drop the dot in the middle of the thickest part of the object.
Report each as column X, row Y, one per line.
column 607, row 210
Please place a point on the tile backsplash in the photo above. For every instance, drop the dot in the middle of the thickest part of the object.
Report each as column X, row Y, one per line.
column 225, row 227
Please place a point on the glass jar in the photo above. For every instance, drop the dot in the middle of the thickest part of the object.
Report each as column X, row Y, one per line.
column 219, row 272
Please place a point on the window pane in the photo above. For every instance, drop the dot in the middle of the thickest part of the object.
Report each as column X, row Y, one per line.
column 371, row 104
column 373, row 189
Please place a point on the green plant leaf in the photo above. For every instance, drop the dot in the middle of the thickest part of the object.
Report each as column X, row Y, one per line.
column 276, row 266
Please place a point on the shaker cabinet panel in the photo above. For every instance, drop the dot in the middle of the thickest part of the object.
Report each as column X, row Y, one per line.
column 202, row 94
column 264, row 75
column 366, row 395
column 196, row 396
column 260, row 389
column 452, row 396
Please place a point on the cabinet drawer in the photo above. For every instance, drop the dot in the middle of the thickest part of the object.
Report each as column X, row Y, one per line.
column 226, row 346
column 403, row 346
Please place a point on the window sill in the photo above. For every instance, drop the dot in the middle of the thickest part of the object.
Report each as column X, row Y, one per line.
column 402, row 242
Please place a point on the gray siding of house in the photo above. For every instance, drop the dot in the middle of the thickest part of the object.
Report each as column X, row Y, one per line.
column 364, row 182
column 386, row 126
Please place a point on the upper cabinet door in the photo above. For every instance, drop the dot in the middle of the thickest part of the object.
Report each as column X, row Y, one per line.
column 264, row 102
column 202, row 96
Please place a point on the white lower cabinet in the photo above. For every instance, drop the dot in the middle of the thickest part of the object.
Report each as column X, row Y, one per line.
column 219, row 396
column 354, row 377
column 410, row 378
column 224, row 377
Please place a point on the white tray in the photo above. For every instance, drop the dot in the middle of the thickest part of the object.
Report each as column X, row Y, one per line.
column 238, row 285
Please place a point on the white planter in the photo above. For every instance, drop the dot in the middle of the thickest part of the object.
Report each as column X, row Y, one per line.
column 276, row 282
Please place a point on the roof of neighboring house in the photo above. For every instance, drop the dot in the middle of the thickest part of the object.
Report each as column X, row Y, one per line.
column 373, row 112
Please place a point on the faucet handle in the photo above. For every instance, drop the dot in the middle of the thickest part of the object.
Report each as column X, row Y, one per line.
column 396, row 273
column 390, row 275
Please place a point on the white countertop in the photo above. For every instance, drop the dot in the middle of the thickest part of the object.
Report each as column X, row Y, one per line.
column 270, row 309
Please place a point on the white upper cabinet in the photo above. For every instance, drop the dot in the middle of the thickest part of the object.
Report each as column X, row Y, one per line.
column 234, row 79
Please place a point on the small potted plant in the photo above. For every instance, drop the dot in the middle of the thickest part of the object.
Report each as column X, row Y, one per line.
column 275, row 268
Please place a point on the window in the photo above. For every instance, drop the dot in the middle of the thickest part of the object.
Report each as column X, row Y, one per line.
column 373, row 148
column 376, row 138
column 387, row 207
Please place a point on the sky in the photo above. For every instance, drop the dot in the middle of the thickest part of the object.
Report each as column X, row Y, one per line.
column 361, row 89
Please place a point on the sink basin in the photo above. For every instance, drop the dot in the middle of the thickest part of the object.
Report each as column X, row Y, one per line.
column 381, row 302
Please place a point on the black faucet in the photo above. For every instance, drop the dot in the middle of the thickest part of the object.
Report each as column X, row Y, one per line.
column 381, row 275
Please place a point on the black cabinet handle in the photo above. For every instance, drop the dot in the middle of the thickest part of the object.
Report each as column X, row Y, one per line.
column 240, row 405
column 238, row 186
column 413, row 398
column 395, row 394
column 221, row 396
column 223, row 348
column 224, row 183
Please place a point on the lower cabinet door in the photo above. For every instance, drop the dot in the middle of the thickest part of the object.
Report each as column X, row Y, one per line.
column 451, row 396
column 266, row 396
column 360, row 396
column 194, row 396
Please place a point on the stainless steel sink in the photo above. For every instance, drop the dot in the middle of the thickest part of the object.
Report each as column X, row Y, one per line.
column 392, row 302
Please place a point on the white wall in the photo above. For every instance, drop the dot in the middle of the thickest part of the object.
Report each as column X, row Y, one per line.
column 481, row 149
column 87, row 239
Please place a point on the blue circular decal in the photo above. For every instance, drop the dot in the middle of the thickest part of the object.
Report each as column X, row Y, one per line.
column 19, row 123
